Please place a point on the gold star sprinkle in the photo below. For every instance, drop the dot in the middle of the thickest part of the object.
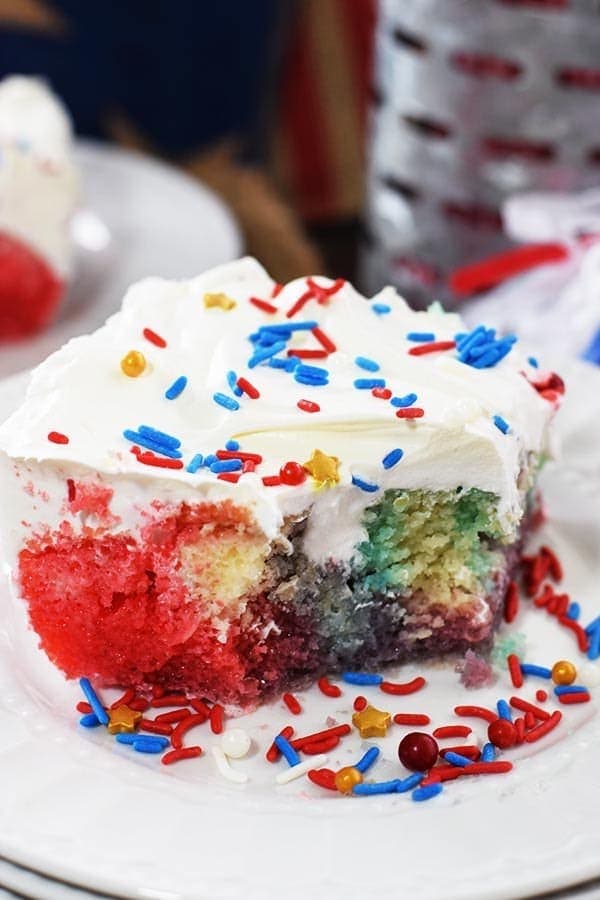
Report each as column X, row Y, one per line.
column 323, row 468
column 372, row 722
column 123, row 719
column 222, row 301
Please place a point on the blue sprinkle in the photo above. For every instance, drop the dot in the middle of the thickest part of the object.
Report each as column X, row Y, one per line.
column 457, row 759
column 367, row 383
column 289, row 364
column 94, row 701
column 540, row 671
column 226, row 465
column 408, row 783
column 573, row 610
column 363, row 362
column 426, row 793
column 264, row 353
column 504, row 710
column 89, row 720
column 125, row 737
column 501, row 424
column 210, row 459
column 488, row 753
column 232, row 445
column 233, row 385
column 310, row 380
column 362, row 678
column 195, row 463
column 381, row 308
column 312, row 371
column 391, row 458
column 471, row 339
column 422, row 337
column 288, row 327
column 593, row 626
column 366, row 761
column 364, row 485
column 149, row 444
column 287, row 750
column 407, row 400
column 367, row 789
column 593, row 651
column 570, row 689
column 160, row 437
column 592, row 352
column 227, row 402
column 533, row 362
column 267, row 339
column 149, row 744
column 176, row 388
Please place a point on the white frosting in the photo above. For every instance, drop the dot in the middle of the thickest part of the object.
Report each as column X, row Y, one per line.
column 39, row 187
column 82, row 392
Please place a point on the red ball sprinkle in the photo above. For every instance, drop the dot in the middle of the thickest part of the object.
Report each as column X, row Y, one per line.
column 308, row 406
column 56, row 437
column 292, row 704
column 360, row 703
column 541, row 696
column 154, row 338
column 418, row 751
column 502, row 734
column 292, row 473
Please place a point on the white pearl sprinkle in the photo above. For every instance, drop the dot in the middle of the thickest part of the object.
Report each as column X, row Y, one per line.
column 235, row 743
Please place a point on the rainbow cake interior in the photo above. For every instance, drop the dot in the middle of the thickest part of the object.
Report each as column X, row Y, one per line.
column 272, row 561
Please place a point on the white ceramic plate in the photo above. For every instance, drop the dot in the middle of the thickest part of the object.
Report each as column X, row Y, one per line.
column 79, row 807
column 139, row 217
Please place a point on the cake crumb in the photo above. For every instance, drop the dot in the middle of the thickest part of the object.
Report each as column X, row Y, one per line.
column 475, row 671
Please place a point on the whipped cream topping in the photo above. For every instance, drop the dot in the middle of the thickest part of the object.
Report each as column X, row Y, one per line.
column 82, row 393
column 39, row 186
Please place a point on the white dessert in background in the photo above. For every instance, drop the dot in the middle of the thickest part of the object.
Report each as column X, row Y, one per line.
column 39, row 190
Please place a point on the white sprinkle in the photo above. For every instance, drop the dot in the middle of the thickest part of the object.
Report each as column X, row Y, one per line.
column 225, row 769
column 301, row 769
column 235, row 743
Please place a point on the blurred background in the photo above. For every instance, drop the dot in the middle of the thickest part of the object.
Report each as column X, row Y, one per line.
column 373, row 140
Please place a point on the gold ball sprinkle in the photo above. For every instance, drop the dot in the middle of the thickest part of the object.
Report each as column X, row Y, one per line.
column 133, row 363
column 563, row 672
column 346, row 778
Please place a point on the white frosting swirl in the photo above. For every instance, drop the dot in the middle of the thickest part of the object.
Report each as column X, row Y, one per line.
column 81, row 391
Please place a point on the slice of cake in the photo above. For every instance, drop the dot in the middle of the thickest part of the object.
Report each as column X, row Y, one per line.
column 38, row 193
column 233, row 487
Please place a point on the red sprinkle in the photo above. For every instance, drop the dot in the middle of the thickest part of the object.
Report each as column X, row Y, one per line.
column 264, row 305
column 520, row 729
column 292, row 704
column 360, row 703
column 511, row 603
column 554, row 565
column 468, row 750
column 330, row 690
column 238, row 454
column 231, row 477
column 324, row 341
column 321, row 746
column 184, row 726
column 452, row 731
column 319, row 736
column 410, row 412
column 156, row 727
column 529, row 720
column 160, row 462
column 139, row 704
column 84, row 707
column 322, row 294
column 381, row 393
column 200, row 706
column 411, row 719
column 154, row 338
column 273, row 753
column 124, row 700
column 514, row 668
column 216, row 718
column 540, row 695
column 70, row 490
column 248, row 466
column 484, row 275
column 174, row 756
column 308, row 406
column 410, row 687
column 271, row 480
column 170, row 700
column 542, row 730
column 432, row 347
column 308, row 354
column 324, row 778
column 248, row 388
column 525, row 706
column 487, row 768
column 176, row 716
column 442, row 773
column 544, row 598
column 575, row 627
column 300, row 302
column 576, row 697
column 478, row 712
column 56, row 437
